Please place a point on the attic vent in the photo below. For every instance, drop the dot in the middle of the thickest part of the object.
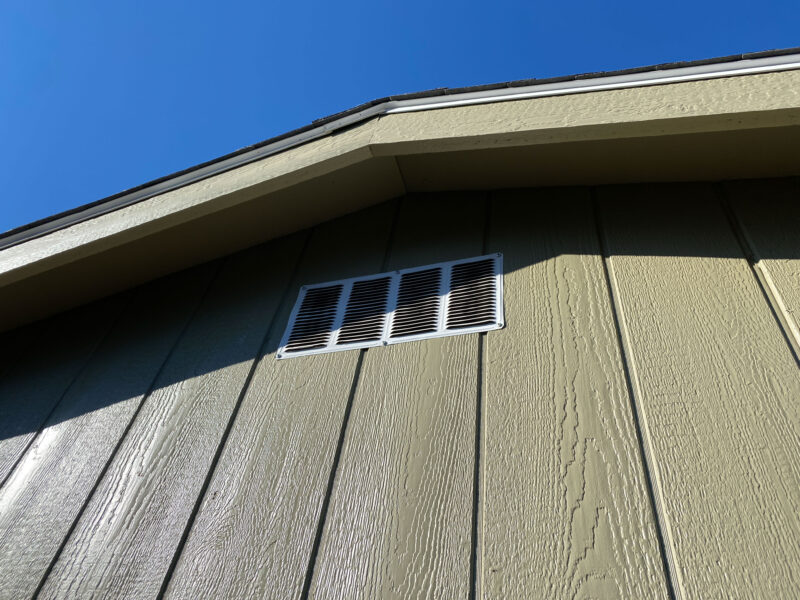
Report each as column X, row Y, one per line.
column 462, row 296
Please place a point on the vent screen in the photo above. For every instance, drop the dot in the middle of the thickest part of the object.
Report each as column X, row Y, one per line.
column 365, row 315
column 314, row 322
column 472, row 298
column 418, row 303
column 462, row 296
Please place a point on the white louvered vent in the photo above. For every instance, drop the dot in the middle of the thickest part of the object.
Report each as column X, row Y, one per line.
column 450, row 298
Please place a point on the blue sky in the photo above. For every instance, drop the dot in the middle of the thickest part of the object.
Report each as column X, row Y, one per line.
column 98, row 97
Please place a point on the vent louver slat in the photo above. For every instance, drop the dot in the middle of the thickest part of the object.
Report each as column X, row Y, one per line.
column 313, row 324
column 473, row 297
column 450, row 298
column 417, row 303
column 365, row 315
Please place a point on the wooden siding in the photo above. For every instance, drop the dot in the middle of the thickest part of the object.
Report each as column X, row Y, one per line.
column 717, row 387
column 566, row 511
column 633, row 432
column 410, row 440
column 271, row 483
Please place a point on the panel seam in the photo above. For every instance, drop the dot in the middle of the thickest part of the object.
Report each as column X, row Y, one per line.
column 127, row 430
column 476, row 554
column 654, row 487
column 476, row 551
column 762, row 275
column 114, row 322
column 258, row 358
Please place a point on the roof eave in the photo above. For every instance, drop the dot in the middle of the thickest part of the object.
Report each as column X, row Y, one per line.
column 733, row 66
column 743, row 123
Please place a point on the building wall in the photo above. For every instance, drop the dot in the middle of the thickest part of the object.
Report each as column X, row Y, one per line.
column 632, row 432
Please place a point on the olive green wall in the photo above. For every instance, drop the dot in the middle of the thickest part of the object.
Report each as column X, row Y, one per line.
column 633, row 432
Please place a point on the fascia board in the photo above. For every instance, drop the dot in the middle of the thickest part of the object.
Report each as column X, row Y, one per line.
column 188, row 202
column 691, row 107
column 644, row 78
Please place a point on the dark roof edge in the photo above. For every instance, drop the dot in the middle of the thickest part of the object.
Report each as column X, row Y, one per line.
column 324, row 126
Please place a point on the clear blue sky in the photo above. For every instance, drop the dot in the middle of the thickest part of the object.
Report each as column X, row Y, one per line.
column 97, row 97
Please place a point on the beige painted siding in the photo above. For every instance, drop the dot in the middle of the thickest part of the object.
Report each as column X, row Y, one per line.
column 633, row 432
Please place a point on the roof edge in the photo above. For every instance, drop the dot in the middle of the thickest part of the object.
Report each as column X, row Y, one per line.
column 728, row 66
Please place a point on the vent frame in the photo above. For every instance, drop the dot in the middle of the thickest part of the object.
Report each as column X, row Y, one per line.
column 390, row 308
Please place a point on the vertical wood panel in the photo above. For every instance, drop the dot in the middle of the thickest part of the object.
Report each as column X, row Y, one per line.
column 47, row 490
column 124, row 542
column 769, row 214
column 43, row 371
column 718, row 387
column 16, row 342
column 399, row 522
column 254, row 533
column 566, row 512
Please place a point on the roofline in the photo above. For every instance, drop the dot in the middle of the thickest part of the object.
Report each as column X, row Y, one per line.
column 729, row 66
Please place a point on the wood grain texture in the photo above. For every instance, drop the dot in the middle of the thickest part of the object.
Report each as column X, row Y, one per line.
column 253, row 535
column 718, row 388
column 47, row 490
column 43, row 371
column 566, row 512
column 768, row 212
column 124, row 542
column 400, row 517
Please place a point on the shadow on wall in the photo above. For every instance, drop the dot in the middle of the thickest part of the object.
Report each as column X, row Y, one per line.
column 118, row 349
